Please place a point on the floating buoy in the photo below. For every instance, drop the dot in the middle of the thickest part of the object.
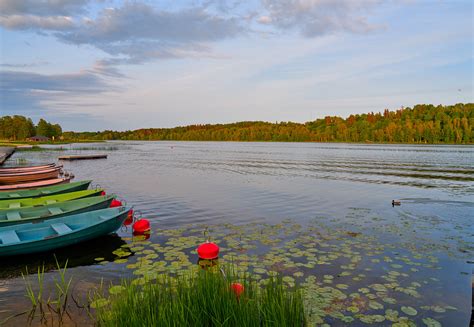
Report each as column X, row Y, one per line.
column 208, row 251
column 129, row 219
column 141, row 226
column 103, row 193
column 237, row 288
column 115, row 203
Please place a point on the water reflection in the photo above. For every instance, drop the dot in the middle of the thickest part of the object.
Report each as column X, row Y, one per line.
column 77, row 255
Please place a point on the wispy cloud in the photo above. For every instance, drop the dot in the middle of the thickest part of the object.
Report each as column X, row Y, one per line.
column 43, row 7
column 318, row 17
column 28, row 91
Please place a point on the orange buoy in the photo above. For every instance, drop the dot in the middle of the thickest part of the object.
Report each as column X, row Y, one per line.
column 141, row 226
column 237, row 288
column 208, row 251
column 115, row 203
column 103, row 193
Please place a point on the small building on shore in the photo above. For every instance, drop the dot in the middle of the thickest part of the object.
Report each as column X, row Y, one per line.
column 38, row 138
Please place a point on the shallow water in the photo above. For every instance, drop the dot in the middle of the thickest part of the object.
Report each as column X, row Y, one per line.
column 336, row 197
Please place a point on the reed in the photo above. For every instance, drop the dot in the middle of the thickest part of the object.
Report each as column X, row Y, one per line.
column 202, row 298
column 58, row 306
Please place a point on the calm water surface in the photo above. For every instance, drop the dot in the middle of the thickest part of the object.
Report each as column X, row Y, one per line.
column 333, row 201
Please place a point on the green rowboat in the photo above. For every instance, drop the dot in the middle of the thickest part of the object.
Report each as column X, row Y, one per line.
column 43, row 191
column 33, row 214
column 59, row 232
column 33, row 202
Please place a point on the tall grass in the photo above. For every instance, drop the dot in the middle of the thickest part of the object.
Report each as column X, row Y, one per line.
column 201, row 299
column 56, row 307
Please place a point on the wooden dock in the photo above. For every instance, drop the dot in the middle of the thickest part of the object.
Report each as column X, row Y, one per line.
column 83, row 157
column 5, row 153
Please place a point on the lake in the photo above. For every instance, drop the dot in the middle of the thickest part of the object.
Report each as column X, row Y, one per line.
column 319, row 214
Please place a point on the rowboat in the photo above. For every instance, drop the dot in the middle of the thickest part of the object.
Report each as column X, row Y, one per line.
column 15, row 178
column 42, row 191
column 36, row 184
column 55, row 210
column 59, row 232
column 19, row 169
column 44, row 200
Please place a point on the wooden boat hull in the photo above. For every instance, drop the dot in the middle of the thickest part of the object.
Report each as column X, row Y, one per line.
column 50, row 211
column 42, row 191
column 15, row 178
column 35, row 184
column 60, row 232
column 13, row 170
column 50, row 199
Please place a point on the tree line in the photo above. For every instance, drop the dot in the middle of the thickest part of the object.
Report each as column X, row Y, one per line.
column 420, row 124
column 18, row 128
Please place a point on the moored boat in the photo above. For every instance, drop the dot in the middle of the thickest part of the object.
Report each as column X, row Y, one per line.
column 19, row 169
column 48, row 190
column 44, row 200
column 60, row 232
column 35, row 184
column 56, row 210
column 14, row 178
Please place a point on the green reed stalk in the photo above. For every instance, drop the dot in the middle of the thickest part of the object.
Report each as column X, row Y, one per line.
column 205, row 299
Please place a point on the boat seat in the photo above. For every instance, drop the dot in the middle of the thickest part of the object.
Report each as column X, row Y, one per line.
column 14, row 195
column 55, row 211
column 13, row 216
column 15, row 205
column 9, row 236
column 51, row 201
column 61, row 228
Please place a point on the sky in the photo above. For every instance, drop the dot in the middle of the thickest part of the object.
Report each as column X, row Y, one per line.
column 104, row 64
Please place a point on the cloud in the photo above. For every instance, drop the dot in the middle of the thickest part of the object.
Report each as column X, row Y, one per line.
column 43, row 7
column 22, row 92
column 24, row 22
column 26, row 65
column 139, row 32
column 314, row 18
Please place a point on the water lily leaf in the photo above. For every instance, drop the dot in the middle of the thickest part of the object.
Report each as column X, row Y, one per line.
column 99, row 303
column 120, row 260
column 437, row 308
column 430, row 322
column 409, row 310
column 116, row 289
column 353, row 309
column 375, row 305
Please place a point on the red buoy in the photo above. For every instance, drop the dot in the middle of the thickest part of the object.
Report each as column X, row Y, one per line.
column 129, row 219
column 237, row 288
column 115, row 203
column 103, row 193
column 208, row 251
column 141, row 226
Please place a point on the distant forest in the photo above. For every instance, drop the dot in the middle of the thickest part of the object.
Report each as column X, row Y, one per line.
column 420, row 124
column 19, row 128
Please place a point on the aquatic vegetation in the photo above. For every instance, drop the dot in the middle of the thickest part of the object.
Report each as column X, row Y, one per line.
column 57, row 307
column 333, row 267
column 200, row 298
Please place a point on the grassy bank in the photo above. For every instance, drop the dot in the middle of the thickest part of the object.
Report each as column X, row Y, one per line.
column 200, row 299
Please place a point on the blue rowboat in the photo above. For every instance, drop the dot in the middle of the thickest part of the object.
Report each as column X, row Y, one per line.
column 55, row 210
column 46, row 190
column 55, row 233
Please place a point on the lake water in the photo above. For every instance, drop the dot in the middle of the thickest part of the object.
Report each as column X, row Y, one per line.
column 320, row 214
